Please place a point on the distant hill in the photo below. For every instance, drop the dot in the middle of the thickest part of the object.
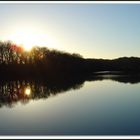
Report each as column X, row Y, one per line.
column 125, row 64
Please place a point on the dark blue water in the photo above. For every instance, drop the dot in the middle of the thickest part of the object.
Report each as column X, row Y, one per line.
column 98, row 108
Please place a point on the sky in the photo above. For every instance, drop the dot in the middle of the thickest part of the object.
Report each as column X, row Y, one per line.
column 92, row 30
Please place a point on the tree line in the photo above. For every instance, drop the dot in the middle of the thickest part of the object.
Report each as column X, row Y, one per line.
column 37, row 61
column 54, row 64
column 10, row 53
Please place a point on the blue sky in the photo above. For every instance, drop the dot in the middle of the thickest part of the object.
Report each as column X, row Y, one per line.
column 93, row 30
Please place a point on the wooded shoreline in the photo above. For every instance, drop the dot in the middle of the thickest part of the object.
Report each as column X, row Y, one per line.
column 50, row 63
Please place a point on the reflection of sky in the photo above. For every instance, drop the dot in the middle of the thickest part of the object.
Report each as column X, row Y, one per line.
column 100, row 107
column 92, row 30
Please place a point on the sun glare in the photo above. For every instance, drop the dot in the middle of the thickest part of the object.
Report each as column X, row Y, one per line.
column 28, row 38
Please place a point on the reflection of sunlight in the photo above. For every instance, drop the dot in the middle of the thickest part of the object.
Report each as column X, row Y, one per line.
column 27, row 91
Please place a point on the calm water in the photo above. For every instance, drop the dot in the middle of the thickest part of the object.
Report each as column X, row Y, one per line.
column 103, row 106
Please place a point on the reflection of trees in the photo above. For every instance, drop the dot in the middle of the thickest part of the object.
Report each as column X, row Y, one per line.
column 132, row 79
column 123, row 78
column 13, row 91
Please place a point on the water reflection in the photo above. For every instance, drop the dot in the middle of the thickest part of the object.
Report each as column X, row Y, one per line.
column 27, row 91
column 131, row 79
column 14, row 91
column 23, row 91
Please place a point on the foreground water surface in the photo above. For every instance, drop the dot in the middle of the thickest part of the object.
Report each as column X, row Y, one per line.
column 103, row 106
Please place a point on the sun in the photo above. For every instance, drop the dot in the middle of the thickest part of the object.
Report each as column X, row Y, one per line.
column 22, row 38
column 28, row 38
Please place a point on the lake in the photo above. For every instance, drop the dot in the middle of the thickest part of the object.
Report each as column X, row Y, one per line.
column 106, row 105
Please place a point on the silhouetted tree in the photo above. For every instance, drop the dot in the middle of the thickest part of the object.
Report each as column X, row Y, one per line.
column 50, row 63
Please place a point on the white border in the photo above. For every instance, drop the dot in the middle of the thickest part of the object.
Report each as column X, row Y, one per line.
column 72, row 2
column 70, row 136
